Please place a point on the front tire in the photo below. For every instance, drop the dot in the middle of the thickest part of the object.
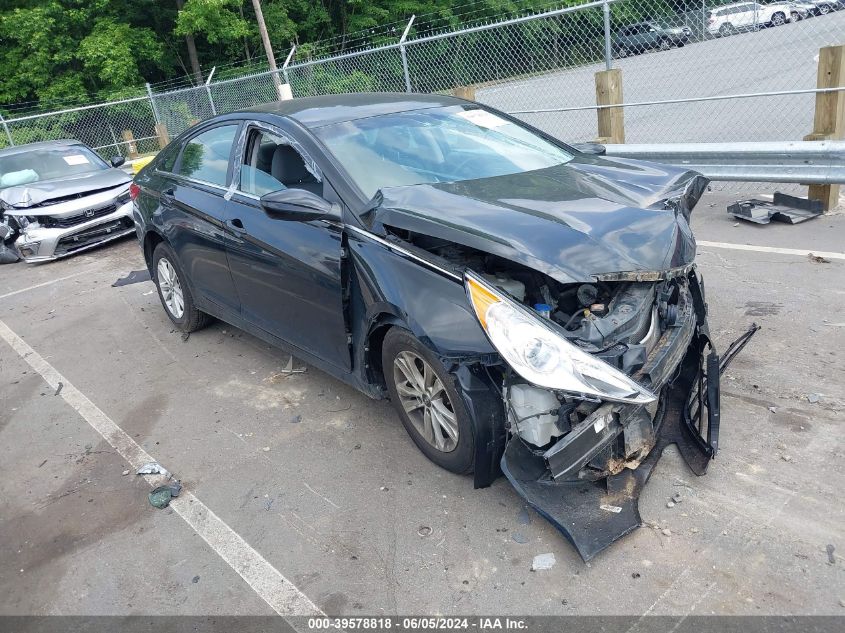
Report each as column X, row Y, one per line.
column 430, row 407
column 778, row 19
column 173, row 291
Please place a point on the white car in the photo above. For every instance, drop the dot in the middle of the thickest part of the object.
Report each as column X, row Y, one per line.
column 61, row 198
column 744, row 16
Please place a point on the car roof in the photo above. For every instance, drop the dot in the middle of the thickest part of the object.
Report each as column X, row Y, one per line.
column 313, row 112
column 22, row 149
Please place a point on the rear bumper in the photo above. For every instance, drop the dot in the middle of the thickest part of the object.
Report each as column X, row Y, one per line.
column 45, row 244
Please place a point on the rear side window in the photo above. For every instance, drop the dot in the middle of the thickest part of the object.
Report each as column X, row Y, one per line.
column 206, row 156
column 167, row 157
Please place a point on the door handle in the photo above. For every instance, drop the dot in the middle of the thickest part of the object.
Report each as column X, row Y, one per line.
column 236, row 226
column 167, row 196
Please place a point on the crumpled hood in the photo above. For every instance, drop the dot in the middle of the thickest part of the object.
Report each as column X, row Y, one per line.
column 36, row 193
column 587, row 217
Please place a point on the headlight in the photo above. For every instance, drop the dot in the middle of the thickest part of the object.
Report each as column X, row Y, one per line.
column 25, row 221
column 541, row 355
column 124, row 198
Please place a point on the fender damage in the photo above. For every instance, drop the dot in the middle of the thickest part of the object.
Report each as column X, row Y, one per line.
column 606, row 247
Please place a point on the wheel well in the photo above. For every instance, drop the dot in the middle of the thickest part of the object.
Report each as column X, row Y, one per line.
column 151, row 240
column 372, row 353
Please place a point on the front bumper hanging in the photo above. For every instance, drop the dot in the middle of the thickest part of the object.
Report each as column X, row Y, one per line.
column 594, row 514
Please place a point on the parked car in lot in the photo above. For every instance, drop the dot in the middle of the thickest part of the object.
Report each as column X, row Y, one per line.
column 823, row 7
column 643, row 36
column 797, row 10
column 745, row 16
column 523, row 304
column 61, row 198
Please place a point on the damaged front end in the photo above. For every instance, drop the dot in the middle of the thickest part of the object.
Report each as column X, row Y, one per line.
column 587, row 477
column 583, row 278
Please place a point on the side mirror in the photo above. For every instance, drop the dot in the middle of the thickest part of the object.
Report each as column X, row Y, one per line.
column 297, row 205
column 117, row 161
column 591, row 148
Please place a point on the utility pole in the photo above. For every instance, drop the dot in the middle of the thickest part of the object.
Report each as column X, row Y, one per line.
column 268, row 48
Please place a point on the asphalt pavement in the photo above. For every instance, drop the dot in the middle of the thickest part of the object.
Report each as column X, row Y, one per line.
column 771, row 60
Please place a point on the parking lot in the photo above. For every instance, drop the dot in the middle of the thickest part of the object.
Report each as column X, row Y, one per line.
column 303, row 495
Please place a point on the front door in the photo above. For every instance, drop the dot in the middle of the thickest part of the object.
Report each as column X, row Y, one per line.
column 287, row 274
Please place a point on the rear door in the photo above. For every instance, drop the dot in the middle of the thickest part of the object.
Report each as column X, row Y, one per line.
column 745, row 16
column 193, row 210
column 287, row 273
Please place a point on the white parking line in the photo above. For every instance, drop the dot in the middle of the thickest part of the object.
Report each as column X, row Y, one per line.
column 46, row 283
column 267, row 581
column 771, row 249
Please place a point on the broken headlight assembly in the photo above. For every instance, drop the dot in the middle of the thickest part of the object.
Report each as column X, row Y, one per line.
column 543, row 356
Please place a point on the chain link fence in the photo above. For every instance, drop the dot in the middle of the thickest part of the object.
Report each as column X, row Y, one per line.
column 692, row 72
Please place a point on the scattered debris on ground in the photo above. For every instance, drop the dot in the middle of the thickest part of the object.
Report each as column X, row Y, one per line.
column 153, row 468
column 59, row 388
column 817, row 259
column 813, row 398
column 424, row 530
column 160, row 497
column 543, row 561
column 782, row 208
column 522, row 517
column 831, row 559
column 520, row 538
column 135, row 277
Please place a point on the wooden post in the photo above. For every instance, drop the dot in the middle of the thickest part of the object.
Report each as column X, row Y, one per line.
column 829, row 121
column 464, row 92
column 611, row 120
column 163, row 136
column 131, row 146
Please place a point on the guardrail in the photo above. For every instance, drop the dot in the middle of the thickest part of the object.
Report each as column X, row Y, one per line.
column 802, row 162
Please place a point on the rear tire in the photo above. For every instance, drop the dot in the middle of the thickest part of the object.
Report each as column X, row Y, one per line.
column 427, row 401
column 664, row 45
column 174, row 293
column 778, row 19
column 727, row 29
column 824, row 9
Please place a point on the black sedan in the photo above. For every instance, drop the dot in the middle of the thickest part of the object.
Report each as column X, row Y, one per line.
column 529, row 308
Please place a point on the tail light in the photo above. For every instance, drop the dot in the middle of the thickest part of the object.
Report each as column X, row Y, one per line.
column 134, row 190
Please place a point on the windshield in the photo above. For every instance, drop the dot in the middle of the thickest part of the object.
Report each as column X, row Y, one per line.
column 446, row 144
column 47, row 163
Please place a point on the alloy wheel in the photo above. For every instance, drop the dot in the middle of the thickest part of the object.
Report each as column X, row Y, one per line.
column 425, row 401
column 170, row 288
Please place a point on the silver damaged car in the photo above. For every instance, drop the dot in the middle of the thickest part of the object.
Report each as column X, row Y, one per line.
column 62, row 198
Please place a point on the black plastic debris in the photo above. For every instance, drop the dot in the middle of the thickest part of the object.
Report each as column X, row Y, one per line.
column 160, row 497
column 782, row 208
column 135, row 277
column 8, row 252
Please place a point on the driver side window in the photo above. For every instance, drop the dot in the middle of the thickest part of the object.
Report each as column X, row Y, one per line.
column 272, row 164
